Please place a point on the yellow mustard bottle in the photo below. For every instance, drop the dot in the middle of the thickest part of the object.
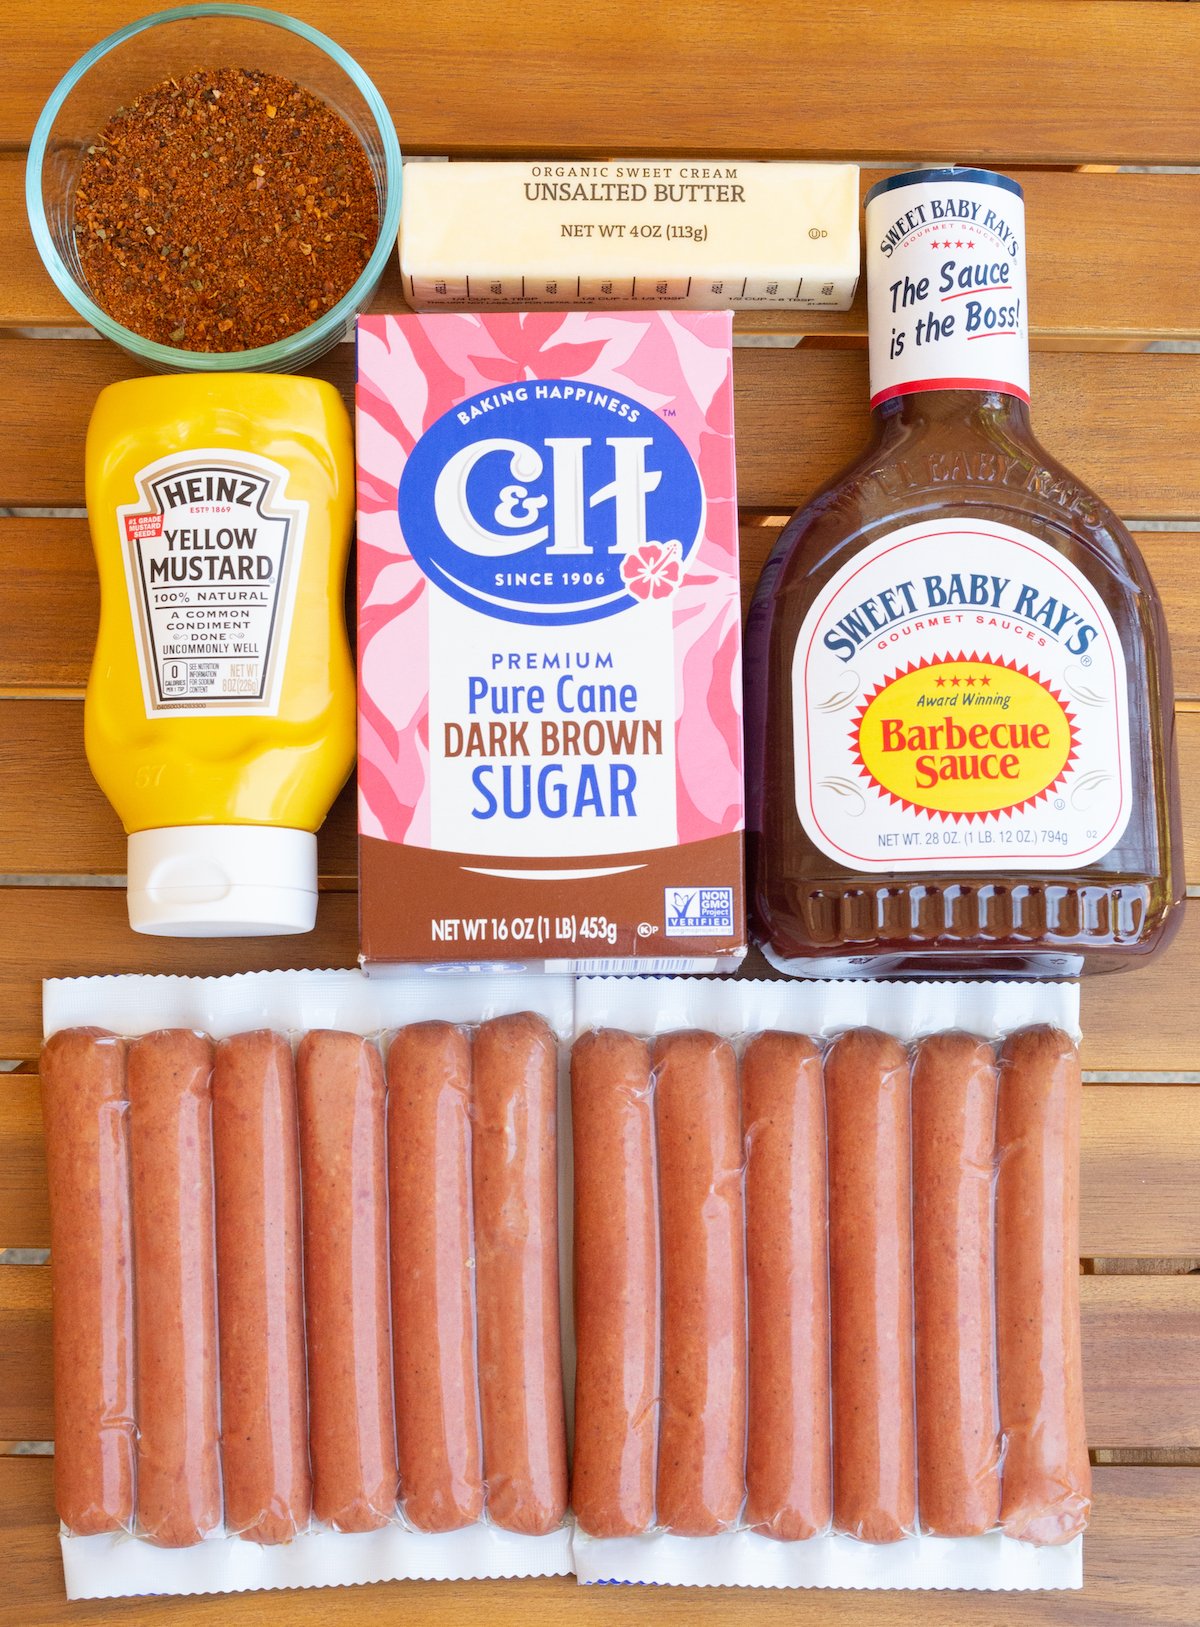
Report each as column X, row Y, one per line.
column 220, row 709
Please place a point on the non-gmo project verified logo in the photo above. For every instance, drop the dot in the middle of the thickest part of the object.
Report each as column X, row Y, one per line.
column 698, row 912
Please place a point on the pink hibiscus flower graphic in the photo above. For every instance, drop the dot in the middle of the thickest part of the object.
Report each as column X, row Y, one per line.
column 654, row 570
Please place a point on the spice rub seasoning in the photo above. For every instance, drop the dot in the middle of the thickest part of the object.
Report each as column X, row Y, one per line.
column 224, row 210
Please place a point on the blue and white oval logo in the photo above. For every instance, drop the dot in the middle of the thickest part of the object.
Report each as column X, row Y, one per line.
column 551, row 502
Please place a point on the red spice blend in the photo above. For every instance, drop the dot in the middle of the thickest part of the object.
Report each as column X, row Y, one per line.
column 224, row 210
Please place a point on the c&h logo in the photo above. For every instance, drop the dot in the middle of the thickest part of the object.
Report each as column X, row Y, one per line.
column 551, row 502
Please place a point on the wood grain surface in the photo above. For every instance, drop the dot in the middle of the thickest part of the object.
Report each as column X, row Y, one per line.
column 1035, row 86
column 1015, row 81
column 1124, row 424
column 52, row 599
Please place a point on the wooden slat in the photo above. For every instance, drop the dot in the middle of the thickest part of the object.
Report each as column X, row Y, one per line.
column 1016, row 79
column 52, row 603
column 1135, row 1020
column 1140, row 1170
column 67, row 931
column 1086, row 280
column 26, row 1384
column 1123, row 423
column 1141, row 1567
column 1141, row 1361
column 24, row 1206
column 1141, row 1354
column 42, row 765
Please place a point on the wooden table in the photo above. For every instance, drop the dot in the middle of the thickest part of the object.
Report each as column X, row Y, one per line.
column 1059, row 93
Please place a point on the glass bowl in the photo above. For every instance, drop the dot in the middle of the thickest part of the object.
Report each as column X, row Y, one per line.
column 180, row 41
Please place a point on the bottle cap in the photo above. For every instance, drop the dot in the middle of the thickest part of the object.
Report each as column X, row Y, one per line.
column 222, row 881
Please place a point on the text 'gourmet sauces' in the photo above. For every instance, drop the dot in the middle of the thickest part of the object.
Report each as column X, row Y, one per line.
column 960, row 745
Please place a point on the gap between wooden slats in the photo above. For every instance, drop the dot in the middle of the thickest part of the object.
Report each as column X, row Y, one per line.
column 1124, row 424
column 1087, row 282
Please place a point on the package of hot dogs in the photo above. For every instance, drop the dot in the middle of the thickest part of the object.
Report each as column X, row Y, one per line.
column 826, row 1284
column 822, row 1327
column 305, row 1259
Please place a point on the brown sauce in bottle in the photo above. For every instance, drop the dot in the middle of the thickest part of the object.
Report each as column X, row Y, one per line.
column 959, row 707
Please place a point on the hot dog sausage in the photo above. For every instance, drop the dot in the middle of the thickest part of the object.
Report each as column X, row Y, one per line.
column 264, row 1397
column 954, row 1139
column 783, row 1117
column 515, row 1184
column 702, row 1442
column 91, row 1267
column 174, row 1252
column 433, row 1332
column 352, row 1439
column 1047, row 1481
column 616, row 1285
column 870, row 1286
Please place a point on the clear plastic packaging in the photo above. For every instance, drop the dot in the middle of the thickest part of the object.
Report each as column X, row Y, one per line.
column 904, row 1183
column 741, row 1415
column 255, row 1175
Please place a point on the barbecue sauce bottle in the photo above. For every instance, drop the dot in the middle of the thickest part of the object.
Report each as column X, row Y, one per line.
column 960, row 746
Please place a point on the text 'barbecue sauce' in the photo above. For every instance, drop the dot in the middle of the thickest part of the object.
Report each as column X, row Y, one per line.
column 960, row 716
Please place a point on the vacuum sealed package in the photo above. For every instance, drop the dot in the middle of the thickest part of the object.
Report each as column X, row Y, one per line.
column 826, row 1284
column 305, row 1255
column 822, row 1328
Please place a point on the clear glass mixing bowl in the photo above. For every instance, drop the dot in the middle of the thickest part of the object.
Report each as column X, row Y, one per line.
column 176, row 42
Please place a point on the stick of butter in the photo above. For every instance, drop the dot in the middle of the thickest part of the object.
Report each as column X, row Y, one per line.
column 697, row 234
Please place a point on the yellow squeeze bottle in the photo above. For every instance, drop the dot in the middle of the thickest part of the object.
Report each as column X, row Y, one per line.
column 220, row 709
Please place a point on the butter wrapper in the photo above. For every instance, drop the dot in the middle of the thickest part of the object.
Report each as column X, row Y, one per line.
column 715, row 234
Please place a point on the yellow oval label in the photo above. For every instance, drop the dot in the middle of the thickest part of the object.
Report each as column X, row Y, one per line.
column 968, row 737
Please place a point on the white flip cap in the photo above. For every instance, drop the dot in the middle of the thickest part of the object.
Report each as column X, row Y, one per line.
column 222, row 881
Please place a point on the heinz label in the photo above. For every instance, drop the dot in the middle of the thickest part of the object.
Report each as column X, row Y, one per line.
column 212, row 556
column 549, row 638
column 959, row 699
